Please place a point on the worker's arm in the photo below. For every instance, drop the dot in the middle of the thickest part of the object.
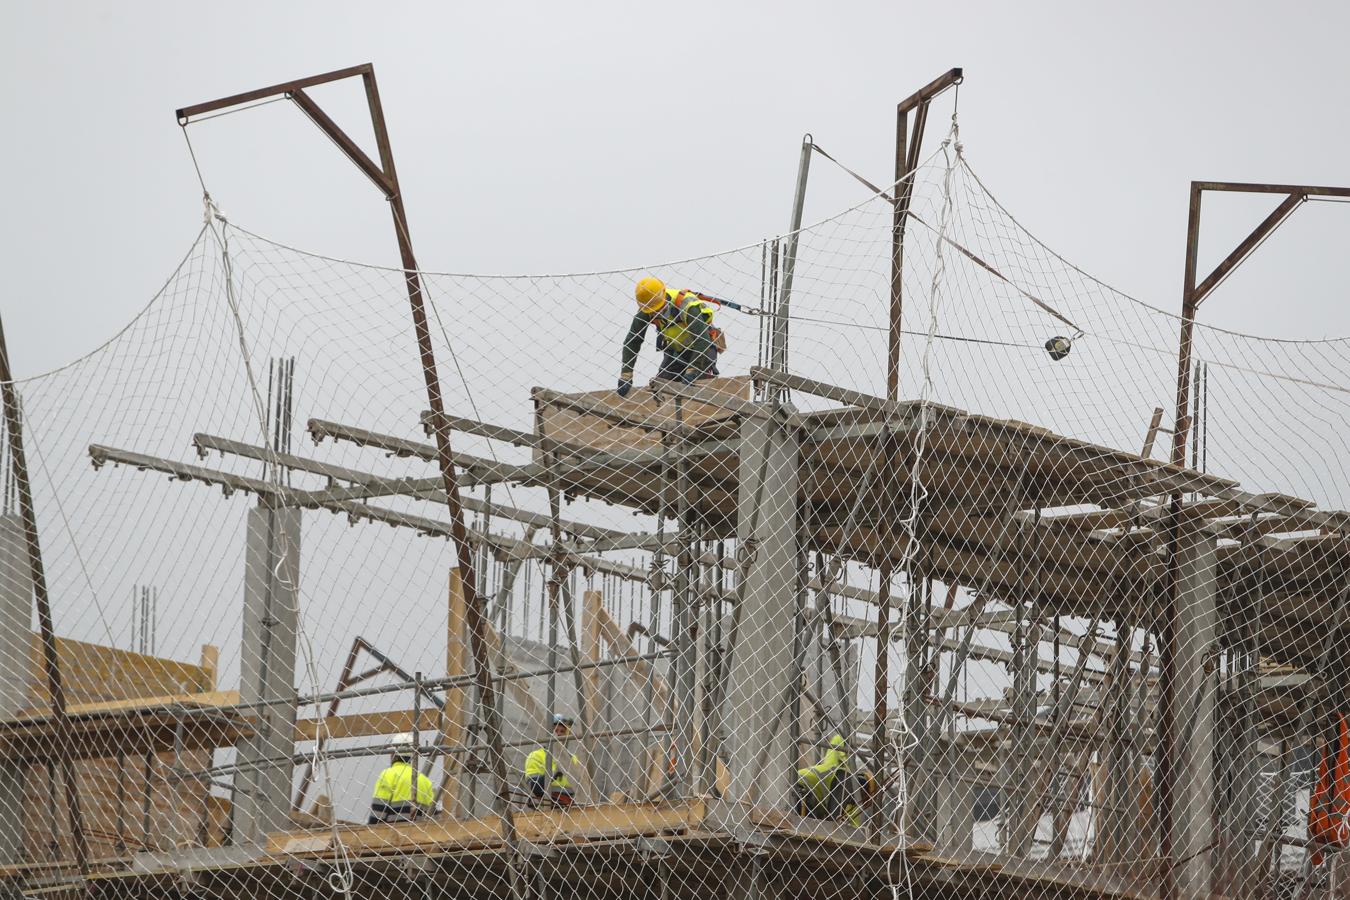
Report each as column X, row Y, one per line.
column 632, row 346
column 426, row 795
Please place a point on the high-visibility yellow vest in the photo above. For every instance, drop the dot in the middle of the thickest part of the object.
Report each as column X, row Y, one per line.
column 820, row 778
column 670, row 319
column 541, row 763
column 395, row 786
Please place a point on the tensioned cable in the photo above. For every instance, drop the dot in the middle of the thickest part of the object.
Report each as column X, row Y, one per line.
column 967, row 252
column 965, row 164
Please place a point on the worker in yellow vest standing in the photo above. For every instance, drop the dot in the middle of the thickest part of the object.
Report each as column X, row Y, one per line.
column 684, row 332
column 393, row 800
column 545, row 779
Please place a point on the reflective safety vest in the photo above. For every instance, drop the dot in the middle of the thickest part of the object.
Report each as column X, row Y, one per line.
column 395, row 786
column 1329, row 805
column 541, row 763
column 820, row 779
column 670, row 319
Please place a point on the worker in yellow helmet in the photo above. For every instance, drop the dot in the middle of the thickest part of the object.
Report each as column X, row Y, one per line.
column 545, row 779
column 684, row 331
column 828, row 790
column 393, row 800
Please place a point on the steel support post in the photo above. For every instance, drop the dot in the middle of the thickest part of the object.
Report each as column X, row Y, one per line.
column 38, row 577
column 385, row 176
column 684, row 620
column 907, row 148
column 778, row 348
column 1193, row 294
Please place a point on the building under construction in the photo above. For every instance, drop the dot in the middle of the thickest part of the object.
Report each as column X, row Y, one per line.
column 1067, row 665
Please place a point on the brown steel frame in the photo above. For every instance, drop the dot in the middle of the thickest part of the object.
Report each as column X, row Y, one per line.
column 385, row 177
column 50, row 663
column 1192, row 296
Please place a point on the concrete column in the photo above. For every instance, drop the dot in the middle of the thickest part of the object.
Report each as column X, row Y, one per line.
column 1021, row 764
column 953, row 812
column 1192, row 819
column 16, row 638
column 761, row 665
column 1119, row 841
column 267, row 670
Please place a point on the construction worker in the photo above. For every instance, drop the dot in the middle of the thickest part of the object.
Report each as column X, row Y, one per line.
column 544, row 778
column 828, row 790
column 393, row 800
column 1329, row 802
column 684, row 331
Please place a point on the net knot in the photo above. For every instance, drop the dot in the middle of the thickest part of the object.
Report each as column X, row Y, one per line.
column 210, row 210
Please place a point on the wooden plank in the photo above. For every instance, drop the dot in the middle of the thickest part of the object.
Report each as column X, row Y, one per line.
column 578, row 823
column 93, row 673
column 222, row 699
column 601, row 420
column 591, row 603
column 355, row 725
column 456, row 699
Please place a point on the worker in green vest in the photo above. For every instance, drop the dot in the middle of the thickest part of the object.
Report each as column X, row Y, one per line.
column 684, row 332
column 393, row 800
column 828, row 790
column 545, row 779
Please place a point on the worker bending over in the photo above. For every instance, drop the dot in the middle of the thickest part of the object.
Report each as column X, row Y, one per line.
column 828, row 790
column 393, row 801
column 684, row 331
column 544, row 778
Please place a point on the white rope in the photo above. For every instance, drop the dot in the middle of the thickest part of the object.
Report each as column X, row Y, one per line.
column 903, row 742
column 342, row 878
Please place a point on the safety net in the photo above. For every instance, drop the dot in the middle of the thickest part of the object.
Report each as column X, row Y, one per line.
column 765, row 626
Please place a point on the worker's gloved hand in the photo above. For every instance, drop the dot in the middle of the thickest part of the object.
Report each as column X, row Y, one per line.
column 689, row 376
column 625, row 384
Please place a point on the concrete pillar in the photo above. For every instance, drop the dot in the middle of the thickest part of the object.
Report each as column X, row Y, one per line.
column 953, row 812
column 1021, row 764
column 1119, row 841
column 262, row 800
column 1192, row 818
column 762, row 665
column 16, row 637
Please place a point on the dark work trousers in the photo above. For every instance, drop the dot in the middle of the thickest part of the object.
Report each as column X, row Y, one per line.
column 675, row 362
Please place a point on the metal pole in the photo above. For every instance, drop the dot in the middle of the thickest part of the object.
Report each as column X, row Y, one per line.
column 51, row 666
column 906, row 161
column 385, row 176
column 778, row 355
column 487, row 689
column 1167, row 674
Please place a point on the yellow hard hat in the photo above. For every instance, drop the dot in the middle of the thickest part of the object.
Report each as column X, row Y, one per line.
column 837, row 742
column 651, row 294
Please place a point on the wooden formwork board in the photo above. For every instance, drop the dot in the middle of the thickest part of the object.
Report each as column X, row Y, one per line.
column 594, row 432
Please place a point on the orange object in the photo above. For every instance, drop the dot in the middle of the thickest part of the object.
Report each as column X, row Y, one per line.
column 1329, row 805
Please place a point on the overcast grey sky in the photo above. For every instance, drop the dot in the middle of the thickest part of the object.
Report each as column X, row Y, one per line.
column 538, row 137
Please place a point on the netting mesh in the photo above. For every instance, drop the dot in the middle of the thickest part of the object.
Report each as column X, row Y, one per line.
column 807, row 641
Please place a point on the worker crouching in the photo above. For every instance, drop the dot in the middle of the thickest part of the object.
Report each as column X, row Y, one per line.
column 393, row 800
column 829, row 790
column 545, row 780
column 684, row 332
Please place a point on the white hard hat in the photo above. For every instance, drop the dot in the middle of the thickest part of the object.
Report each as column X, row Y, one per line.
column 400, row 741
